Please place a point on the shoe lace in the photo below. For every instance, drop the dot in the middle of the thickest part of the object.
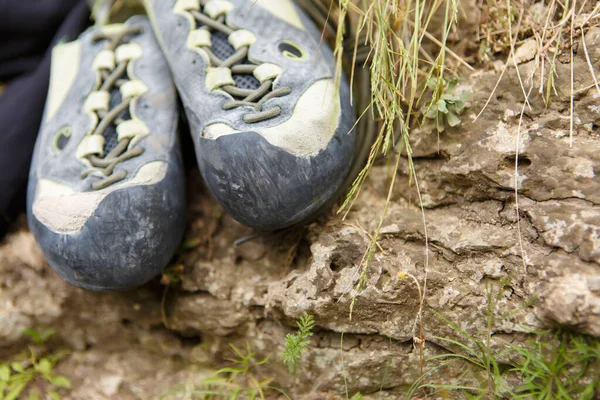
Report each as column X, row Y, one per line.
column 239, row 64
column 108, row 81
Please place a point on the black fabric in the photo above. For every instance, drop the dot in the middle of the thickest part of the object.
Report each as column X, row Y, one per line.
column 28, row 29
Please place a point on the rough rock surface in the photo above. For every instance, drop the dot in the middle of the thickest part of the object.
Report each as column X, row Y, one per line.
column 534, row 266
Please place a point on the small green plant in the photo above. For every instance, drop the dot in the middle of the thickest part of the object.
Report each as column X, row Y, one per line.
column 558, row 372
column 243, row 363
column 563, row 370
column 444, row 107
column 297, row 344
column 39, row 336
column 32, row 373
column 235, row 382
column 475, row 352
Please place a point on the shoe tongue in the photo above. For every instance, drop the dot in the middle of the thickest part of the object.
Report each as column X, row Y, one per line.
column 245, row 81
column 220, row 45
column 110, row 133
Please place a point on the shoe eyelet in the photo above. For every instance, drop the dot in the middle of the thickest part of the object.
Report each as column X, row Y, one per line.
column 292, row 50
column 61, row 139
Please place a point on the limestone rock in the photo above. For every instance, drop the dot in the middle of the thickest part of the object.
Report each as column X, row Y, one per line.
column 512, row 221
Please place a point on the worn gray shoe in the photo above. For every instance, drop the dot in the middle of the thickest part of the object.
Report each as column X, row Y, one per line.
column 272, row 132
column 106, row 198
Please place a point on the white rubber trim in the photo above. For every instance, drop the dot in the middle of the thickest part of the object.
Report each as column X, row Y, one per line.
column 62, row 210
column 309, row 130
column 66, row 60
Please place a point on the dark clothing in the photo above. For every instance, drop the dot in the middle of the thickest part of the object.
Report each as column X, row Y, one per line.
column 28, row 30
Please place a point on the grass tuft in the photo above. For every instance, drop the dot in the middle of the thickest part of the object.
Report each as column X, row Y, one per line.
column 32, row 373
column 409, row 59
column 560, row 372
column 238, row 381
column 557, row 365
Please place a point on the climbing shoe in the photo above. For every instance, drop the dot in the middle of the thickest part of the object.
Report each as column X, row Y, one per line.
column 106, row 199
column 271, row 124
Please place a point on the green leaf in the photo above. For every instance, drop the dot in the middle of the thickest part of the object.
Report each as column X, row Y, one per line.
column 448, row 97
column 453, row 120
column 53, row 395
column 474, row 361
column 192, row 243
column 211, row 381
column 258, row 387
column 234, row 394
column 236, row 350
column 452, row 84
column 46, row 333
column 305, row 324
column 264, row 360
column 432, row 83
column 4, row 373
column 44, row 366
column 229, row 370
column 458, row 107
column 15, row 392
column 441, row 106
column 61, row 381
column 33, row 334
column 38, row 336
column 357, row 396
column 431, row 113
column 440, row 122
column 17, row 366
column 33, row 396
